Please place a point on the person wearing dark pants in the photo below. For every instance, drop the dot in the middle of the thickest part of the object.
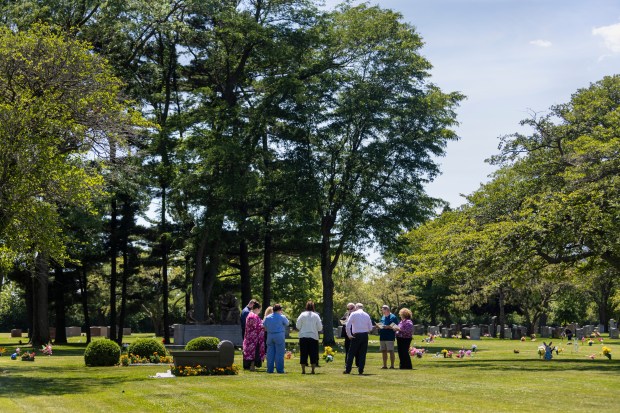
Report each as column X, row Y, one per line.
column 309, row 325
column 347, row 341
column 404, row 334
column 358, row 326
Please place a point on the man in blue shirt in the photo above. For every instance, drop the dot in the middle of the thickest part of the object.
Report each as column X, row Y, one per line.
column 276, row 325
column 244, row 316
column 387, row 335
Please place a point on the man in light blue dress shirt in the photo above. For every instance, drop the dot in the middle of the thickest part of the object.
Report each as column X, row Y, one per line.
column 276, row 325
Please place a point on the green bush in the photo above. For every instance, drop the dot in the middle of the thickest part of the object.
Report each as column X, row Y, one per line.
column 146, row 347
column 202, row 344
column 102, row 353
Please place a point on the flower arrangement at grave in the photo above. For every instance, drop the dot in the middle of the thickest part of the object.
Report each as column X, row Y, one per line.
column 185, row 371
column 2, row 350
column 607, row 352
column 446, row 353
column 27, row 356
column 541, row 351
column 47, row 349
column 288, row 355
column 590, row 342
column 328, row 354
column 417, row 352
column 474, row 348
column 591, row 356
column 463, row 353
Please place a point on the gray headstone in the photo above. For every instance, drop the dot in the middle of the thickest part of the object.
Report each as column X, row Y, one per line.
column 73, row 331
column 507, row 333
column 474, row 333
column 613, row 333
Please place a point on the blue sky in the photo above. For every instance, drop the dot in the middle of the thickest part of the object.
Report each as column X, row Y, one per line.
column 509, row 57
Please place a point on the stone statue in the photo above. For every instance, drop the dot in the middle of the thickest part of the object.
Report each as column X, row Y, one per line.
column 229, row 309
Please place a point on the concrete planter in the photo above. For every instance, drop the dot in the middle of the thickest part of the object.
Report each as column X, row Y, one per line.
column 224, row 356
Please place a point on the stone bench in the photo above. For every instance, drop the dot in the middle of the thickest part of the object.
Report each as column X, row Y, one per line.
column 224, row 356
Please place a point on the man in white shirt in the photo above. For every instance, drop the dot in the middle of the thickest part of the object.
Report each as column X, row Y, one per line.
column 358, row 326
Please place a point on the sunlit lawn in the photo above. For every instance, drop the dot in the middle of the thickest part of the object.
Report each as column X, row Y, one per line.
column 495, row 379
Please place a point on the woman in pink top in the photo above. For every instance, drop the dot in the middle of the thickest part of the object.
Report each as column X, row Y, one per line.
column 404, row 334
column 254, row 340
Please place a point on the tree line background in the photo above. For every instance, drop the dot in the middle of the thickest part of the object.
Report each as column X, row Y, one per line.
column 156, row 154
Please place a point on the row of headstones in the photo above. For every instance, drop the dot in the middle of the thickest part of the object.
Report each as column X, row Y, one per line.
column 515, row 332
column 104, row 331
column 76, row 332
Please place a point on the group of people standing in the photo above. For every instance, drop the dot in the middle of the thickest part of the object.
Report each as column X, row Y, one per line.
column 357, row 326
column 256, row 332
column 271, row 330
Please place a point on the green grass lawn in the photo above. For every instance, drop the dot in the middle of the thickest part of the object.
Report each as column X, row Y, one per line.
column 494, row 380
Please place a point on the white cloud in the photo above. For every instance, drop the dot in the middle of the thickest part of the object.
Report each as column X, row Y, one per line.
column 541, row 43
column 610, row 35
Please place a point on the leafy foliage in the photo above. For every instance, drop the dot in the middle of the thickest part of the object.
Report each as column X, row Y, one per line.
column 102, row 353
column 146, row 347
column 202, row 344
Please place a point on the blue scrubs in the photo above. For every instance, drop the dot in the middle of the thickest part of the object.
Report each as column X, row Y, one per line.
column 276, row 325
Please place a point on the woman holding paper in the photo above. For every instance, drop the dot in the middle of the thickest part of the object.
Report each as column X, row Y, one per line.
column 404, row 334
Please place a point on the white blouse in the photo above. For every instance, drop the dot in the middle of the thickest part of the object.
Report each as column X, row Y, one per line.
column 309, row 324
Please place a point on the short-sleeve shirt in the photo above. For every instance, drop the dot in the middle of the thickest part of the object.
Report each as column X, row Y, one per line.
column 275, row 323
column 387, row 334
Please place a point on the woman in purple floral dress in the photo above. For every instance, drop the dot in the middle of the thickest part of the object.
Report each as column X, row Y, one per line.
column 254, row 340
column 404, row 334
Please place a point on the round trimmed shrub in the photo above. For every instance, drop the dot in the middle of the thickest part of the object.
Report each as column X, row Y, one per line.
column 102, row 353
column 146, row 347
column 202, row 344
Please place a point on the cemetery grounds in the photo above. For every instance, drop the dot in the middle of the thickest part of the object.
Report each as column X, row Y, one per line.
column 501, row 376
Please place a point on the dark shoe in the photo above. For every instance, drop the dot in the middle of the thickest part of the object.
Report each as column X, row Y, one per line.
column 392, row 367
column 384, row 368
column 346, row 372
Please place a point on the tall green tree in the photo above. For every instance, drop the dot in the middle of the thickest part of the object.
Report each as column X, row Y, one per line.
column 58, row 103
column 373, row 129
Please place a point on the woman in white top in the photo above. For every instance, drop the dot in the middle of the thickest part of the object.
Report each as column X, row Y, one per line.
column 309, row 324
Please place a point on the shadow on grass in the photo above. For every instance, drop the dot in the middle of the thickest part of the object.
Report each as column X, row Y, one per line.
column 12, row 385
column 535, row 365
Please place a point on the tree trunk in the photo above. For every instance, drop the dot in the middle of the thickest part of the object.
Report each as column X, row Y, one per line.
column 198, row 285
column 164, row 265
column 59, row 307
column 126, row 269
column 244, row 264
column 83, row 287
column 113, row 273
column 213, row 269
column 502, row 314
column 188, row 284
column 328, row 290
column 40, row 284
column 266, row 271
column 28, row 289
